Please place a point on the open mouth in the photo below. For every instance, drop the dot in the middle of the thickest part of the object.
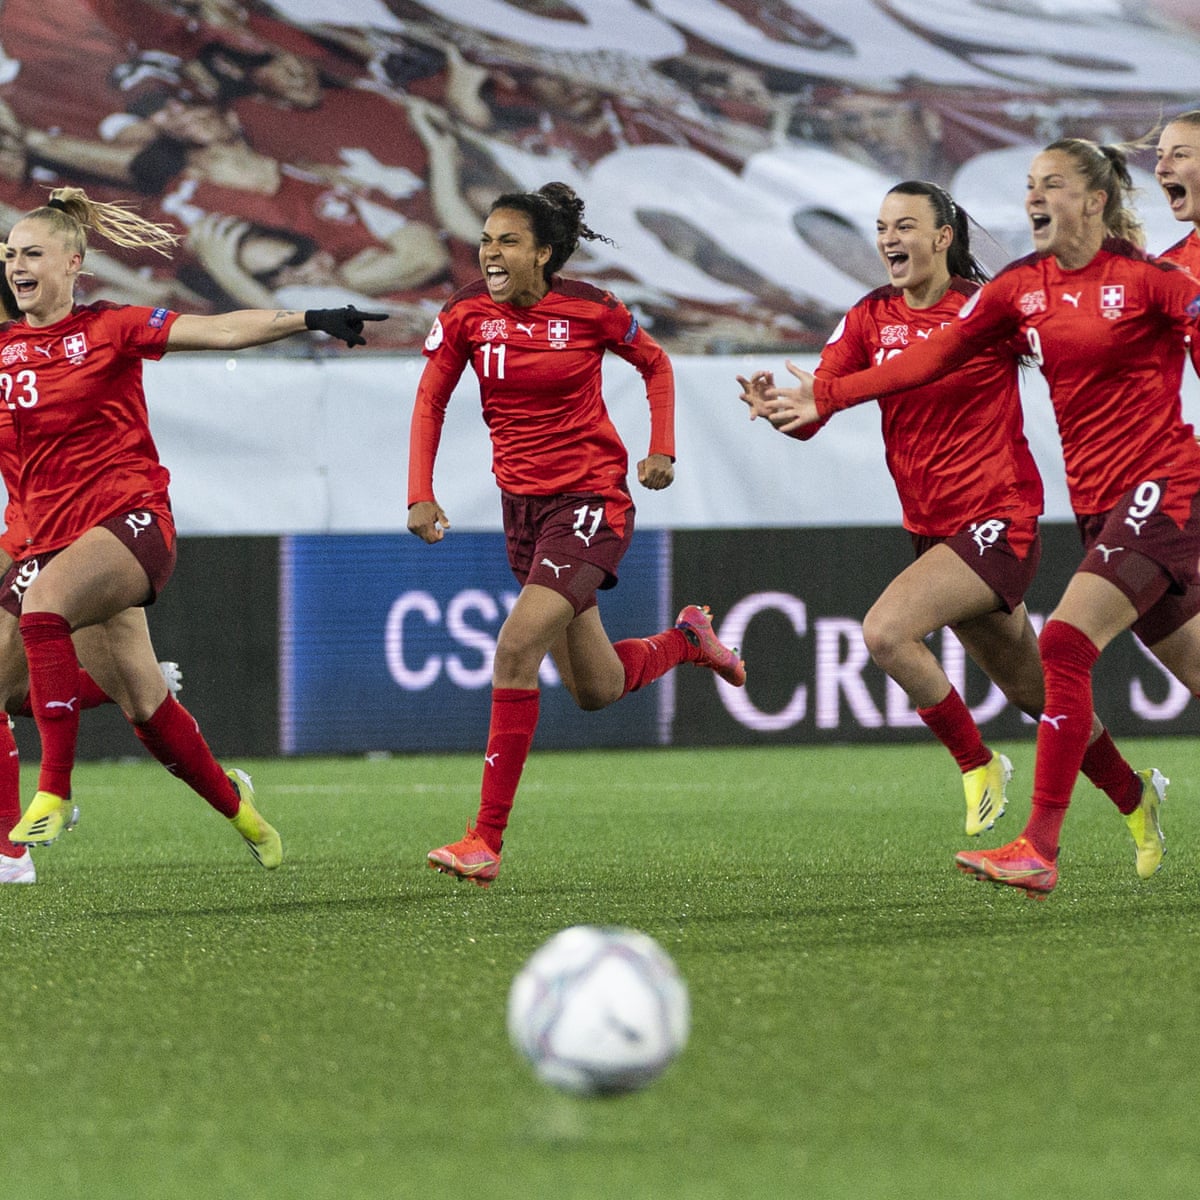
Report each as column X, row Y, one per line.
column 1176, row 194
column 897, row 261
column 497, row 278
column 1039, row 221
column 23, row 287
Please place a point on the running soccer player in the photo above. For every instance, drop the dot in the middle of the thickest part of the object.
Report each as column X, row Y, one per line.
column 93, row 494
column 536, row 342
column 971, row 497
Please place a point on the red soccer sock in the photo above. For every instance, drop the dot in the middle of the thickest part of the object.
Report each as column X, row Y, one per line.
column 54, row 689
column 10, row 787
column 950, row 721
column 174, row 738
column 514, row 718
column 91, row 695
column 1106, row 767
column 1068, row 656
column 650, row 658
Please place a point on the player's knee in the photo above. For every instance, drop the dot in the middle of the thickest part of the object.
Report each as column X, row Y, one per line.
column 884, row 637
column 595, row 695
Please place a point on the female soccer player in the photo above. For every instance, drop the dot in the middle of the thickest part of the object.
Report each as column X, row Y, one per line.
column 1106, row 325
column 1178, row 173
column 971, row 497
column 94, row 495
column 536, row 342
column 16, row 863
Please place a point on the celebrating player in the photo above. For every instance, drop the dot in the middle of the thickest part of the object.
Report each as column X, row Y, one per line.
column 1178, row 173
column 536, row 342
column 1106, row 324
column 94, row 495
column 971, row 497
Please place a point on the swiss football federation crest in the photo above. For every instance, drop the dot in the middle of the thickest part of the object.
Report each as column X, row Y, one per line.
column 493, row 328
column 14, row 352
column 1032, row 302
column 893, row 335
column 558, row 332
column 1112, row 300
column 75, row 347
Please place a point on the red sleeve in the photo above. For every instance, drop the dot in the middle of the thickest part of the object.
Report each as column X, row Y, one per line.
column 655, row 368
column 985, row 319
column 443, row 369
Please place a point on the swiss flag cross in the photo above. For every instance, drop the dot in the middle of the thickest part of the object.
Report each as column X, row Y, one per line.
column 75, row 344
column 558, row 331
column 1112, row 296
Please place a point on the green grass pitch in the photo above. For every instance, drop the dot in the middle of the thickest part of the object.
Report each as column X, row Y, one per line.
column 866, row 1021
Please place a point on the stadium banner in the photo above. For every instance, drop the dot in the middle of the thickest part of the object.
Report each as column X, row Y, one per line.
column 795, row 599
column 386, row 644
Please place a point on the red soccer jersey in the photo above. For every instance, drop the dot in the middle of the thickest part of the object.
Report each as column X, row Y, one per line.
column 74, row 391
column 540, row 382
column 955, row 447
column 1186, row 254
column 1109, row 339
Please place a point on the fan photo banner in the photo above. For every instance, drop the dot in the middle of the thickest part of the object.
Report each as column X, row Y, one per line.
column 313, row 153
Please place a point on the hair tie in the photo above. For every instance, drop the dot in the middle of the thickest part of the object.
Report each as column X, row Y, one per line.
column 55, row 202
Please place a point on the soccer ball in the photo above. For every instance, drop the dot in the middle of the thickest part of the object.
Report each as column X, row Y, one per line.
column 599, row 1011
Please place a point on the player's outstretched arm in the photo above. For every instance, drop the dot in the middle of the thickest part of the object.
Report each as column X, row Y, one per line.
column 258, row 326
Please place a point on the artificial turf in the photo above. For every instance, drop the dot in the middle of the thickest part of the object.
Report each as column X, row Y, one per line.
column 866, row 1021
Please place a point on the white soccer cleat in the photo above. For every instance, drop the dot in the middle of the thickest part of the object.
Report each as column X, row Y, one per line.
column 17, row 870
column 172, row 675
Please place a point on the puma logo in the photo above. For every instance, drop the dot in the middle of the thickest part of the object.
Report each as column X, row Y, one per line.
column 1054, row 721
column 558, row 570
column 1108, row 551
column 527, row 330
column 1073, row 300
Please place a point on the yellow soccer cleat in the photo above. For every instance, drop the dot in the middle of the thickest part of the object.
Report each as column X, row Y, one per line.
column 984, row 788
column 46, row 817
column 1144, row 824
column 262, row 839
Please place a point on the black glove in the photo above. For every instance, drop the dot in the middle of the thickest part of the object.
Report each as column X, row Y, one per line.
column 345, row 323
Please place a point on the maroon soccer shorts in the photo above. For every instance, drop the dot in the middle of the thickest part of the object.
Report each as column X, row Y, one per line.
column 985, row 548
column 571, row 544
column 1135, row 546
column 149, row 537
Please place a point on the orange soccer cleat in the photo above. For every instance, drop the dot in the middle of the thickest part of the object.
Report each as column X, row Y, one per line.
column 1018, row 865
column 469, row 858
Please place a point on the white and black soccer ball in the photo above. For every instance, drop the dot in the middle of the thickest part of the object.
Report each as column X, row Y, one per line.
column 599, row 1010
